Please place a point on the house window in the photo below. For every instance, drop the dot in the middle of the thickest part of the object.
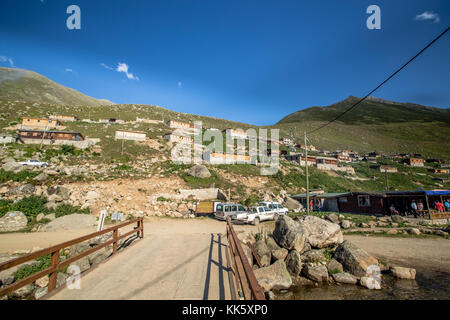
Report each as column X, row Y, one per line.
column 343, row 199
column 364, row 201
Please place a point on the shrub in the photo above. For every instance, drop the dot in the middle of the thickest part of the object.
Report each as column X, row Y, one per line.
column 43, row 263
column 251, row 200
column 17, row 177
column 334, row 271
column 30, row 206
column 162, row 199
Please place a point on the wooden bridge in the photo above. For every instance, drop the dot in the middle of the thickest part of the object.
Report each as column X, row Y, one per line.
column 157, row 266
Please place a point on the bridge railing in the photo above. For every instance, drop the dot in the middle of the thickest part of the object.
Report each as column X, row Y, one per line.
column 242, row 271
column 54, row 251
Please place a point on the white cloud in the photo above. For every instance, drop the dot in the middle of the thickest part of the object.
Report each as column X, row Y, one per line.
column 5, row 59
column 123, row 67
column 69, row 70
column 105, row 66
column 428, row 15
column 180, row 84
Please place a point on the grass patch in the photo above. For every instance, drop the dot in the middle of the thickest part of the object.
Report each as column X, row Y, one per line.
column 20, row 176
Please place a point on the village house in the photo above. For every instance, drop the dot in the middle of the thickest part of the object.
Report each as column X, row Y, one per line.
column 286, row 141
column 236, row 133
column 309, row 148
column 40, row 122
column 130, row 135
column 178, row 138
column 143, row 120
column 300, row 159
column 26, row 135
column 415, row 162
column 63, row 118
column 386, row 168
column 186, row 127
column 224, row 158
column 370, row 159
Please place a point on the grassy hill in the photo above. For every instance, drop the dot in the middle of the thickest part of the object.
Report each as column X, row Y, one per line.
column 25, row 85
column 374, row 124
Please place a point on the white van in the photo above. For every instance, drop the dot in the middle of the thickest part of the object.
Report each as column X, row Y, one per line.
column 275, row 206
column 260, row 213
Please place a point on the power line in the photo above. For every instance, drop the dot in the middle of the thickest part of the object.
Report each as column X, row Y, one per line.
column 382, row 83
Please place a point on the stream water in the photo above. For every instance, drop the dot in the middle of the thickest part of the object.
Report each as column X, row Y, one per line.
column 435, row 286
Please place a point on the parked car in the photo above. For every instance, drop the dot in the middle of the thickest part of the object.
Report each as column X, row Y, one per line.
column 260, row 213
column 275, row 206
column 35, row 163
column 224, row 210
column 205, row 208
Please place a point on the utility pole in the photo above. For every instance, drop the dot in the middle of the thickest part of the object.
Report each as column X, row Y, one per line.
column 307, row 177
column 121, row 152
column 387, row 182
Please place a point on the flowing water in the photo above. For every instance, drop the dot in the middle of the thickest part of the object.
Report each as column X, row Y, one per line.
column 433, row 286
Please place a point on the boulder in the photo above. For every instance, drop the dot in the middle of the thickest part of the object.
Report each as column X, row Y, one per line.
column 313, row 256
column 294, row 263
column 321, row 233
column 316, row 273
column 392, row 231
column 26, row 189
column 199, row 171
column 70, row 222
column 345, row 277
column 42, row 282
column 82, row 263
column 333, row 217
column 403, row 273
column 397, row 218
column 13, row 221
column 12, row 166
column 333, row 265
column 40, row 292
column 58, row 193
column 279, row 254
column 292, row 204
column 272, row 244
column 370, row 283
column 41, row 177
column 263, row 252
column 23, row 292
column 414, row 231
column 99, row 255
column 354, row 259
column 92, row 195
column 346, row 224
column 275, row 276
column 289, row 234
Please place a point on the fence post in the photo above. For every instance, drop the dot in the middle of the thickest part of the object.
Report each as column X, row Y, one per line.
column 142, row 231
column 54, row 275
column 138, row 225
column 115, row 232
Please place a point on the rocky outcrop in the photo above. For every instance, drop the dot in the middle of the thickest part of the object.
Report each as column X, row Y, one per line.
column 289, row 234
column 277, row 252
column 248, row 253
column 403, row 273
column 294, row 263
column 275, row 276
column 344, row 277
column 346, row 224
column 199, row 171
column 13, row 221
column 370, row 283
column 333, row 217
column 354, row 259
column 70, row 222
column 318, row 273
column 321, row 233
column 263, row 252
column 292, row 204
column 333, row 265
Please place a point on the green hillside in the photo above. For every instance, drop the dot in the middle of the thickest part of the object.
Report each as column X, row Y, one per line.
column 25, row 85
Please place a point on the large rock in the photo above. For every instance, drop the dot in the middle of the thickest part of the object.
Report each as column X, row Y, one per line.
column 370, row 283
column 58, row 193
column 199, row 171
column 41, row 177
column 277, row 252
column 403, row 273
column 289, row 234
column 332, row 217
column 25, row 190
column 294, row 263
column 316, row 273
column 333, row 265
column 248, row 253
column 12, row 166
column 275, row 276
column 70, row 222
column 263, row 252
column 345, row 277
column 321, row 233
column 13, row 221
column 354, row 259
column 346, row 224
column 292, row 204
column 99, row 255
column 313, row 256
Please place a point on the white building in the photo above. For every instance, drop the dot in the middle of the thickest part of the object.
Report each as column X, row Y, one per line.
column 130, row 135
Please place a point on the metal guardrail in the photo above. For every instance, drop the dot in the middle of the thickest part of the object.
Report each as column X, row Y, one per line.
column 242, row 271
column 55, row 265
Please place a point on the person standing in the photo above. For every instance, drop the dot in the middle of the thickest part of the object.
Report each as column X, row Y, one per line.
column 447, row 205
column 414, row 208
column 439, row 206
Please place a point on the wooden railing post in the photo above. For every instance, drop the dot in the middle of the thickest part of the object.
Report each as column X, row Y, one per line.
column 115, row 232
column 142, row 231
column 138, row 225
column 54, row 275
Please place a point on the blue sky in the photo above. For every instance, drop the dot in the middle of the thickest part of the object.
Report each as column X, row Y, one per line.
column 249, row 61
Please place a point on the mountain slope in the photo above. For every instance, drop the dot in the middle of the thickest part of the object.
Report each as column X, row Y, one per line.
column 25, row 85
column 370, row 111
